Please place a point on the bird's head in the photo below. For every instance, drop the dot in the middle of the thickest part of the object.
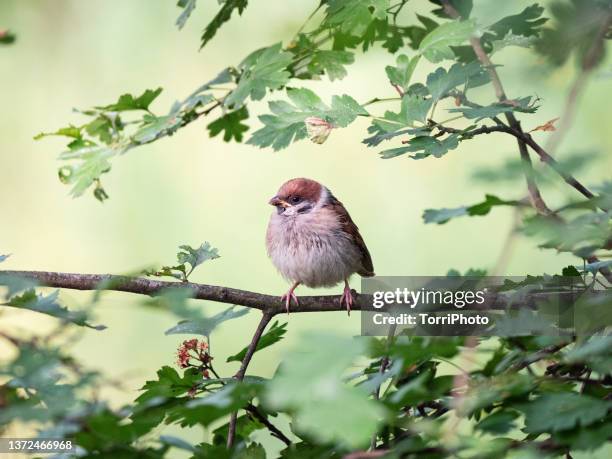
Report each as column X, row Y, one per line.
column 297, row 196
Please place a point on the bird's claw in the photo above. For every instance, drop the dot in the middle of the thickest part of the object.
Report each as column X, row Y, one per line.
column 347, row 298
column 287, row 297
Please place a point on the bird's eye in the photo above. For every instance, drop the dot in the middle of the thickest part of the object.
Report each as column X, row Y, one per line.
column 295, row 199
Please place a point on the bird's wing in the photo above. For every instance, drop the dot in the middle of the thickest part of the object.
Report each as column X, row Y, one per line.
column 348, row 226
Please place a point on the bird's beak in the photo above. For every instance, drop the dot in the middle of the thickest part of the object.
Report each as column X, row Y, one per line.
column 276, row 201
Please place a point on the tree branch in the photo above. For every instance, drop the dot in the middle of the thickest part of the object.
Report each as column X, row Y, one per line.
column 265, row 319
column 151, row 287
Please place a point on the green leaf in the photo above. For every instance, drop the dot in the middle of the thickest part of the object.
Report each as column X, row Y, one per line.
column 268, row 71
column 272, row 336
column 553, row 412
column 490, row 111
column 413, row 108
column 527, row 23
column 324, row 406
column 355, row 16
column 441, row 216
column 435, row 47
column 224, row 15
column 486, row 392
column 206, row 410
column 188, row 7
column 195, row 257
column 49, row 305
column 69, row 131
column 230, row 124
column 154, row 127
column 287, row 122
column 424, row 146
column 206, row 325
column 441, row 81
column 95, row 162
column 169, row 384
column 402, row 74
column 177, row 443
column 129, row 102
column 498, row 423
column 330, row 62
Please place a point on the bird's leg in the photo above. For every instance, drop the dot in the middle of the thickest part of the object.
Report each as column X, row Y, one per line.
column 347, row 297
column 287, row 297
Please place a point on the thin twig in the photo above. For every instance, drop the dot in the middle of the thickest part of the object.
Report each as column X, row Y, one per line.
column 265, row 319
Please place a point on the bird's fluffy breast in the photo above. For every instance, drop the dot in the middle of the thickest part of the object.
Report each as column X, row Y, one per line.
column 312, row 248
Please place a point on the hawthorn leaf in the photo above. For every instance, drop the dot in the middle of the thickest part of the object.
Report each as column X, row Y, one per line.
column 441, row 81
column 230, row 124
column 402, row 73
column 355, row 16
column 206, row 325
column 498, row 423
column 268, row 71
column 436, row 46
column 169, row 384
column 195, row 257
column 287, row 123
column 554, row 412
column 527, row 23
column 205, row 410
column 154, row 127
column 129, row 102
column 424, row 146
column 188, row 7
column 94, row 163
column 441, row 216
column 7, row 37
column 490, row 111
column 330, row 62
column 49, row 305
column 272, row 336
column 68, row 131
column 413, row 108
column 325, row 407
column 224, row 15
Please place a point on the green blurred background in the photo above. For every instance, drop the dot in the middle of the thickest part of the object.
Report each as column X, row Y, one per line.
column 189, row 188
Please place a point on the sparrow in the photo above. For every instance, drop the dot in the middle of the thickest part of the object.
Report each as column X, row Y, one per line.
column 312, row 240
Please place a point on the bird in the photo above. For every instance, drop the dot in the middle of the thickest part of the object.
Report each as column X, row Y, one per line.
column 312, row 240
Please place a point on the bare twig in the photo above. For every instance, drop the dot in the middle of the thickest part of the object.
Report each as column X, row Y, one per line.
column 275, row 431
column 265, row 319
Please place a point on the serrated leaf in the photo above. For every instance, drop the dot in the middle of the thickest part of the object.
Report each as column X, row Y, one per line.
column 195, row 257
column 224, row 15
column 129, row 102
column 230, row 124
column 69, row 131
column 330, row 62
column 355, row 16
column 441, row 81
column 272, row 336
column 269, row 71
column 435, row 47
column 413, row 108
column 490, row 111
column 287, row 123
column 325, row 407
column 441, row 216
column 206, row 325
column 554, row 412
column 48, row 305
column 94, row 163
column 205, row 410
column 169, row 384
column 424, row 146
column 402, row 73
column 156, row 126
